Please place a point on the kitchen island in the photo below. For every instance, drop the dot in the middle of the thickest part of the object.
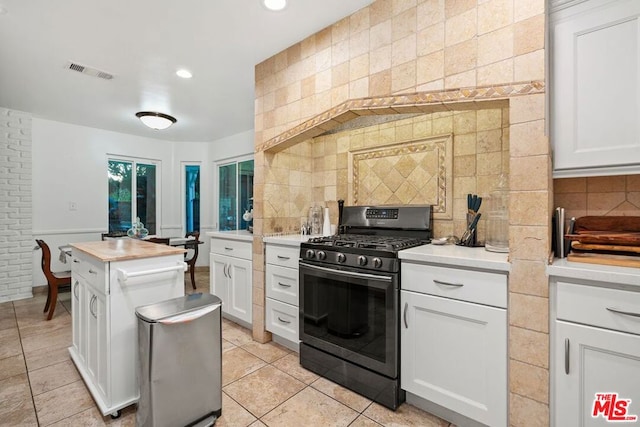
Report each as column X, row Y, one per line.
column 109, row 280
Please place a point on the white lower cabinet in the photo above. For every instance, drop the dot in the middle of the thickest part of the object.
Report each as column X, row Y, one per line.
column 591, row 361
column 454, row 352
column 282, row 312
column 231, row 279
column 596, row 351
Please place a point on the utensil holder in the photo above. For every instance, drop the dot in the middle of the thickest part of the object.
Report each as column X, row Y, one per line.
column 469, row 238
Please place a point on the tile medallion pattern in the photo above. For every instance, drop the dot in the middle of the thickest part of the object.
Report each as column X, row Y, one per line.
column 406, row 173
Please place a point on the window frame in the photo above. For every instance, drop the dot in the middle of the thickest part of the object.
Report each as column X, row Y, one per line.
column 216, row 180
column 183, row 196
column 134, row 209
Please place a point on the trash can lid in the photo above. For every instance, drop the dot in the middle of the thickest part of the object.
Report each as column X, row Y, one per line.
column 176, row 306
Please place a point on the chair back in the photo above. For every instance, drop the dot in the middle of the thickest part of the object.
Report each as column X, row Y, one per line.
column 46, row 260
column 161, row 240
column 192, row 255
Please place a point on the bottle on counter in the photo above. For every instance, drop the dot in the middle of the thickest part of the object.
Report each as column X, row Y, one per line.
column 497, row 238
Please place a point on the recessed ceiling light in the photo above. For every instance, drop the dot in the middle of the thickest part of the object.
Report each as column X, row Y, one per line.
column 275, row 4
column 185, row 74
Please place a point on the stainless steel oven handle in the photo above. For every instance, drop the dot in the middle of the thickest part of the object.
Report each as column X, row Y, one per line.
column 349, row 273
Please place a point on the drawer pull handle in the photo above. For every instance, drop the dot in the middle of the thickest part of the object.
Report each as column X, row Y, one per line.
column 77, row 261
column 566, row 356
column 626, row 313
column 92, row 271
column 93, row 300
column 226, row 248
column 283, row 320
column 404, row 315
column 75, row 290
column 284, row 285
column 286, row 258
column 440, row 282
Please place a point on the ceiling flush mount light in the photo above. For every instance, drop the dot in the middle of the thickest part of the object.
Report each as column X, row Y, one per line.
column 155, row 120
column 275, row 5
column 185, row 74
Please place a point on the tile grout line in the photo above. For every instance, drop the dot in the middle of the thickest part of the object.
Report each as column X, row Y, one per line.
column 26, row 368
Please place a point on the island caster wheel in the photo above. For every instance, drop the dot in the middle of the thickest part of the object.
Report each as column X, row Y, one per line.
column 116, row 415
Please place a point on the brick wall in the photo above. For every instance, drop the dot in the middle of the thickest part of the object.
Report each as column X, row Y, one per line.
column 16, row 239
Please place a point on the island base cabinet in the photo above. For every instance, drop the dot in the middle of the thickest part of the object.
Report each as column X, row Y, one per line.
column 591, row 361
column 104, row 323
column 453, row 354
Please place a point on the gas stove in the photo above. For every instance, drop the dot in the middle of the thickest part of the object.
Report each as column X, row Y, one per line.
column 371, row 237
column 349, row 298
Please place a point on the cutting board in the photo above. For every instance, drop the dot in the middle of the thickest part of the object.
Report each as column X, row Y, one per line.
column 619, row 260
column 600, row 247
column 606, row 238
column 608, row 223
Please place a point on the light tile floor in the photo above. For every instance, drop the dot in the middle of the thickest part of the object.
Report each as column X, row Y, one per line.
column 263, row 384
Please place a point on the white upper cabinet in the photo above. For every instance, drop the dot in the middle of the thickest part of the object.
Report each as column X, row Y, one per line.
column 595, row 87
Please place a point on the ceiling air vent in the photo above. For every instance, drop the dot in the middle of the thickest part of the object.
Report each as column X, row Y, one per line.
column 89, row 71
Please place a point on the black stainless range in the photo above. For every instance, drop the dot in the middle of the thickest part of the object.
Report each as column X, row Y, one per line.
column 350, row 298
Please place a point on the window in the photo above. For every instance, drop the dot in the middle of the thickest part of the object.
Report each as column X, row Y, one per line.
column 235, row 194
column 192, row 197
column 124, row 185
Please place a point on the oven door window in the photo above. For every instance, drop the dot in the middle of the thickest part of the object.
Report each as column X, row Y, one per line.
column 351, row 315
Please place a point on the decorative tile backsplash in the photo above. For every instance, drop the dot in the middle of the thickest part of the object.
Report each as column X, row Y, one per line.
column 407, row 173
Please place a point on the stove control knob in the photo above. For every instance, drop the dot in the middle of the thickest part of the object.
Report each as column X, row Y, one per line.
column 341, row 257
column 310, row 253
column 362, row 260
column 322, row 255
column 377, row 262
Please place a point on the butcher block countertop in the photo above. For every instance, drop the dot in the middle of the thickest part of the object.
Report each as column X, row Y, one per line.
column 125, row 249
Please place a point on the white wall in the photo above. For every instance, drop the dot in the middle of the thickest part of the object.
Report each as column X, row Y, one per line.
column 70, row 165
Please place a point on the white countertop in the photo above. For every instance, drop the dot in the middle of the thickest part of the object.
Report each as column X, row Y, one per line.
column 594, row 272
column 457, row 256
column 288, row 239
column 242, row 235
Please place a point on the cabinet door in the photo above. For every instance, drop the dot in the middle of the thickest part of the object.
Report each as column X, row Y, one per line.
column 240, row 295
column 219, row 278
column 454, row 354
column 97, row 342
column 588, row 361
column 78, row 317
column 595, row 92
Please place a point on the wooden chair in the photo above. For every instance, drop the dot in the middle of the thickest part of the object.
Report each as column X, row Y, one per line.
column 191, row 257
column 56, row 280
column 113, row 235
column 161, row 240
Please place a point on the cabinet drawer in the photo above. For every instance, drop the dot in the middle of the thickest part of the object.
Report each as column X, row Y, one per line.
column 232, row 248
column 91, row 270
column 285, row 256
column 282, row 320
column 282, row 284
column 595, row 306
column 466, row 285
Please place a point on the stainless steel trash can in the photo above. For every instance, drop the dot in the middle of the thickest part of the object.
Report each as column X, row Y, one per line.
column 180, row 362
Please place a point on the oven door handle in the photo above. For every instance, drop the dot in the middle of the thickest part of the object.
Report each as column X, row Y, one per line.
column 349, row 273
